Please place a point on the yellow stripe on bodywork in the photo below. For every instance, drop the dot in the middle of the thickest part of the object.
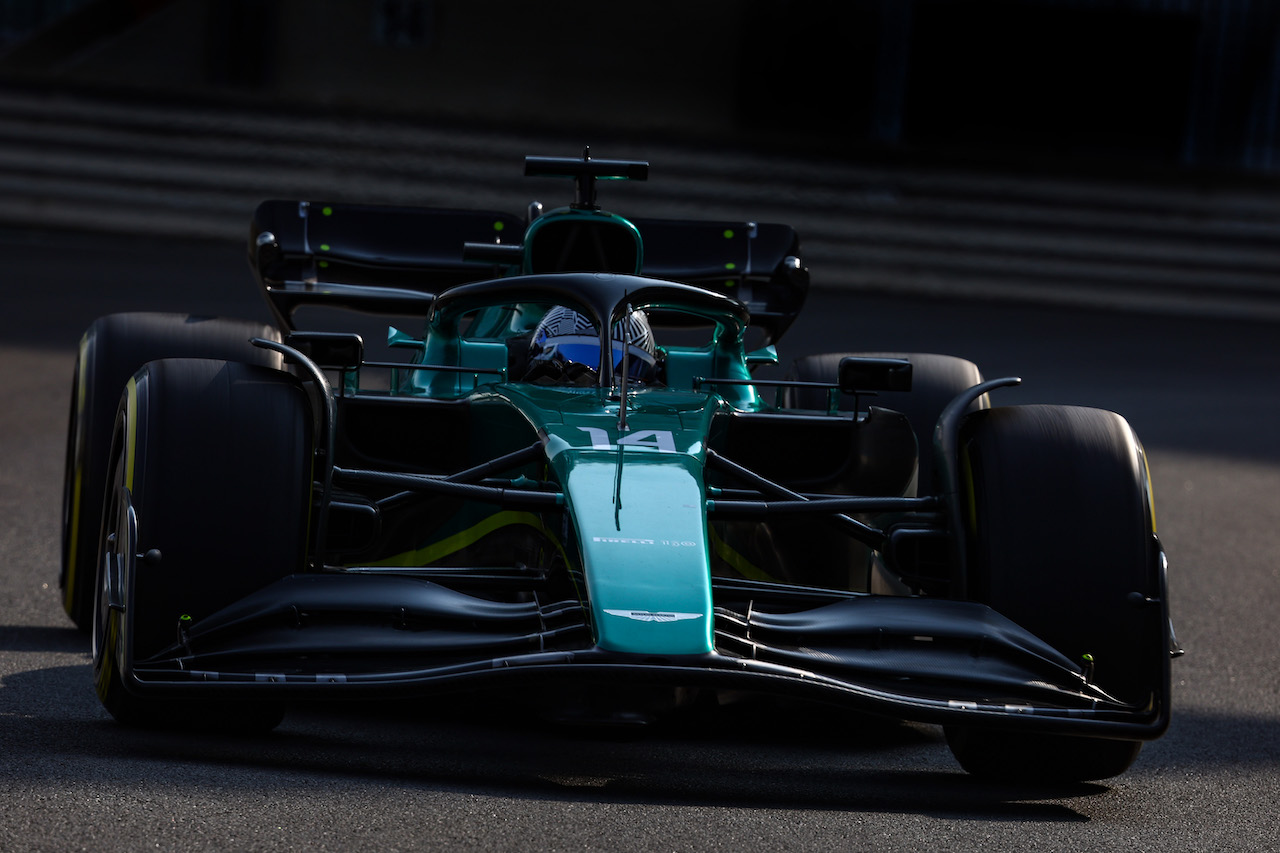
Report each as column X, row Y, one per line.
column 451, row 545
column 736, row 561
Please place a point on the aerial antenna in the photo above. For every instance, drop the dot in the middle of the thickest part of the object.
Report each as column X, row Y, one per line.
column 622, row 374
column 617, row 489
column 624, row 368
column 584, row 194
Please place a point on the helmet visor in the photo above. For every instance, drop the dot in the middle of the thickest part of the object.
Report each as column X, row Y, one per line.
column 640, row 364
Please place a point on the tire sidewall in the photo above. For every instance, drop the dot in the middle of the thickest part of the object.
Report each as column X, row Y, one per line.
column 110, row 352
column 1061, row 537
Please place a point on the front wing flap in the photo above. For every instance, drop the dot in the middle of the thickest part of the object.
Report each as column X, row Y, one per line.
column 921, row 659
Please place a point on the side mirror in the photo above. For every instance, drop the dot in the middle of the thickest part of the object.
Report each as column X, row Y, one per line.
column 861, row 373
column 329, row 349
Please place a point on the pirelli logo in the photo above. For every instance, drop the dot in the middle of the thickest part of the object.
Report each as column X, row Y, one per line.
column 624, row 540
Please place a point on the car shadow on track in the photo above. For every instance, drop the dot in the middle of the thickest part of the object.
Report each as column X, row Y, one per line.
column 750, row 757
column 27, row 638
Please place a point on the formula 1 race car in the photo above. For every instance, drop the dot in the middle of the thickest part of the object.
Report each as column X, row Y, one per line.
column 574, row 485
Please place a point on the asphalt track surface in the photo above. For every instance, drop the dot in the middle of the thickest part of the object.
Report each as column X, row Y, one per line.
column 1203, row 394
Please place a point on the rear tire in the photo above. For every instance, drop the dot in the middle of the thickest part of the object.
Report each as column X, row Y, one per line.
column 1062, row 541
column 935, row 381
column 112, row 349
column 216, row 460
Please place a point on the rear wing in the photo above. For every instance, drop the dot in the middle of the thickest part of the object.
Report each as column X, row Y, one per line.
column 394, row 259
column 756, row 263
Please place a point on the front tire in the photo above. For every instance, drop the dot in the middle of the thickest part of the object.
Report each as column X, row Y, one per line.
column 112, row 349
column 1061, row 538
column 214, row 459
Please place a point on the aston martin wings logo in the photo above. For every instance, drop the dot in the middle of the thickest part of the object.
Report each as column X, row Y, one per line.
column 652, row 616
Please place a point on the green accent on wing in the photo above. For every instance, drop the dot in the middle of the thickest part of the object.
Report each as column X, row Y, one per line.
column 736, row 561
column 436, row 551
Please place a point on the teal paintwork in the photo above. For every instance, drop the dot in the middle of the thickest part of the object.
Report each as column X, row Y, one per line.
column 636, row 499
column 634, row 490
column 589, row 217
column 644, row 559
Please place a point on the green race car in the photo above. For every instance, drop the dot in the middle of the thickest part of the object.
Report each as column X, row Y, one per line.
column 573, row 484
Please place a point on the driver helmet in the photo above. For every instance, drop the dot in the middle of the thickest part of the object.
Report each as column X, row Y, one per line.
column 566, row 347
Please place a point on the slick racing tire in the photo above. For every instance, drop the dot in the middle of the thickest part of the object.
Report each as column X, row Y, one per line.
column 935, row 381
column 214, row 459
column 1061, row 539
column 111, row 350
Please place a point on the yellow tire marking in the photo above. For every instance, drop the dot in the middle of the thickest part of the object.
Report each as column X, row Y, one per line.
column 73, row 548
column 131, row 430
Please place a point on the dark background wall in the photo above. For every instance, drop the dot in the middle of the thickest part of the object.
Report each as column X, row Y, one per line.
column 1136, row 83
